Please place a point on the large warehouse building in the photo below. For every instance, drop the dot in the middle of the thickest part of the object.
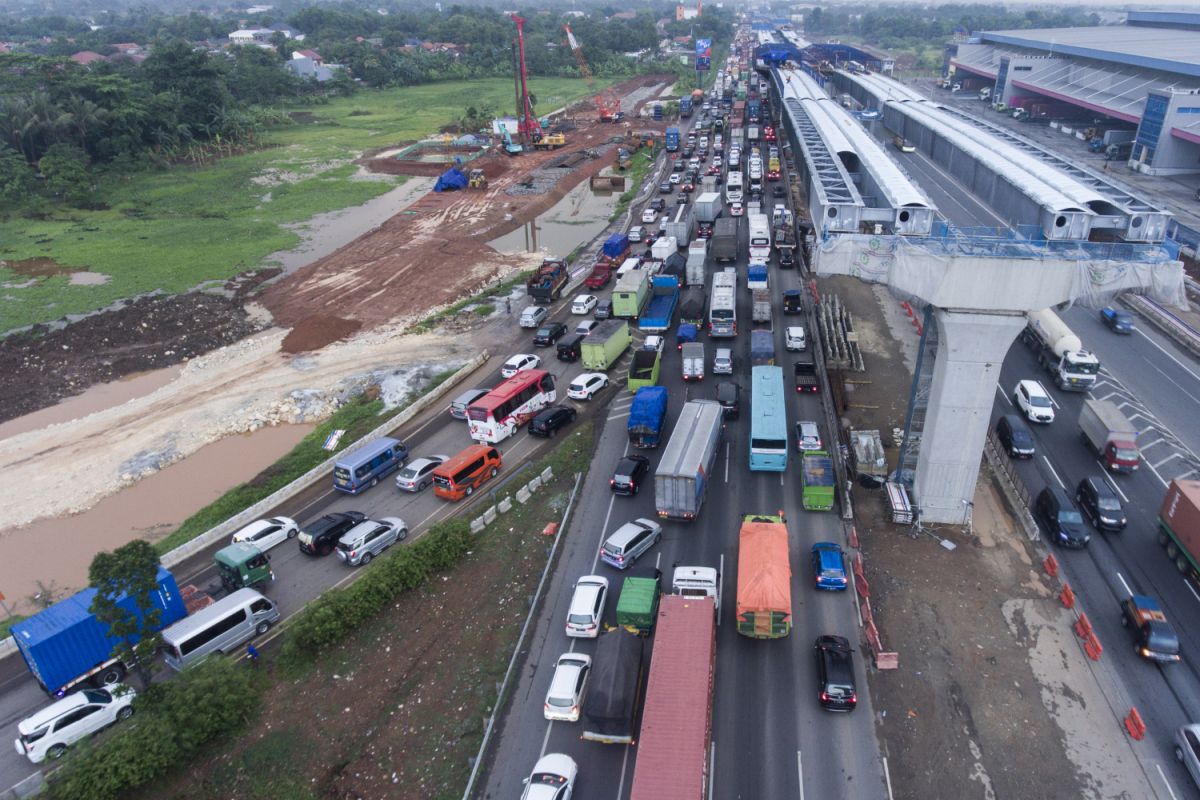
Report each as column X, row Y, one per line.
column 1143, row 75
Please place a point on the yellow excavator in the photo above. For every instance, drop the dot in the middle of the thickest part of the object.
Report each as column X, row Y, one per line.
column 477, row 180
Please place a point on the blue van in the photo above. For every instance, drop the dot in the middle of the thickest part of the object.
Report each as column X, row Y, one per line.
column 362, row 468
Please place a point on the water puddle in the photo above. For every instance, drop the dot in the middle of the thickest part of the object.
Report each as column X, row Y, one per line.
column 55, row 553
column 97, row 398
column 325, row 233
column 570, row 222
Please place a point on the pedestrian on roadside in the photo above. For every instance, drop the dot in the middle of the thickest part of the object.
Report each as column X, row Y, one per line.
column 252, row 654
column 507, row 305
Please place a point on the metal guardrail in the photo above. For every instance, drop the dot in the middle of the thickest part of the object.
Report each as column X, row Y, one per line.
column 1162, row 318
column 1014, row 490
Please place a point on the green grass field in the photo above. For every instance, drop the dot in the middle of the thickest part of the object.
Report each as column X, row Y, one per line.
column 172, row 230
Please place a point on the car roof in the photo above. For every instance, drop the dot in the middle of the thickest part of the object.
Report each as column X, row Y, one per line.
column 565, row 668
column 1099, row 485
column 1033, row 387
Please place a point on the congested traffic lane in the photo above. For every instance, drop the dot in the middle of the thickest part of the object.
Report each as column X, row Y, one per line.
column 1113, row 565
column 771, row 739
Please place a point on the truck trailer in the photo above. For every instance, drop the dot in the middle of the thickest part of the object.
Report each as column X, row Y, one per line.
column 65, row 646
column 610, row 708
column 764, row 585
column 664, row 296
column 1179, row 526
column 696, row 259
column 692, row 305
column 1060, row 352
column 676, row 732
column 681, row 479
column 547, row 283
column 631, row 294
column 647, row 414
column 605, row 345
column 724, row 244
column 1109, row 434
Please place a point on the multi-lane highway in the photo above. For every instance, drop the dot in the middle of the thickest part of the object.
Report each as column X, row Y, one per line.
column 771, row 739
column 1158, row 387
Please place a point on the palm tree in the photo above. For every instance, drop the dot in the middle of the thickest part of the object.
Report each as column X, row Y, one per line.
column 84, row 115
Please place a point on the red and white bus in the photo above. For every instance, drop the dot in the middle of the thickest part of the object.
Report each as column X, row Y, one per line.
column 497, row 415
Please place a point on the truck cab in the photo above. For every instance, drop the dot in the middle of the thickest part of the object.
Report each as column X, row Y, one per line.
column 698, row 582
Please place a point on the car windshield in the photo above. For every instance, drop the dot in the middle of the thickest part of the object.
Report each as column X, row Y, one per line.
column 580, row 619
column 559, row 702
column 546, row 779
column 408, row 472
column 1040, row 401
column 1070, row 518
column 1126, row 455
column 1108, row 504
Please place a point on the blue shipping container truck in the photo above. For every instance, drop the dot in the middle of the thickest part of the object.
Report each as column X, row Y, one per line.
column 672, row 139
column 685, row 107
column 616, row 245
column 646, row 416
column 66, row 645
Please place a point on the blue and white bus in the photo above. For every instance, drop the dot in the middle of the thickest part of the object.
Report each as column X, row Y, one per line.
column 768, row 420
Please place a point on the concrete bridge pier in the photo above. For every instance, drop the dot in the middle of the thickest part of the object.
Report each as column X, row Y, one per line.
column 971, row 349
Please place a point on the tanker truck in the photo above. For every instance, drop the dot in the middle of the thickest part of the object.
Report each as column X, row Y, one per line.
column 1059, row 350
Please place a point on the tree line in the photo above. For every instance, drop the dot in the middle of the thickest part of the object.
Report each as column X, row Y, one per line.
column 60, row 122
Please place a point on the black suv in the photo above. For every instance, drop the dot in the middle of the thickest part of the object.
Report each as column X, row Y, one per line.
column 835, row 674
column 627, row 477
column 729, row 395
column 550, row 419
column 1014, row 436
column 549, row 333
column 1100, row 505
column 658, row 204
column 1060, row 519
column 318, row 538
column 793, row 301
column 787, row 259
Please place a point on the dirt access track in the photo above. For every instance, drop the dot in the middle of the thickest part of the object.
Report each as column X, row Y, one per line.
column 437, row 252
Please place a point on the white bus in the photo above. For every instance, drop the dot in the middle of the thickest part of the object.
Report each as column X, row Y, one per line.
column 760, row 238
column 722, row 306
column 733, row 187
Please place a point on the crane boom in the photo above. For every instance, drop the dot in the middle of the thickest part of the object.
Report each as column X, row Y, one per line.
column 607, row 102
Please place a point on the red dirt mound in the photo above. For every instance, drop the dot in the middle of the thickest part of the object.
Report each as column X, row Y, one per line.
column 316, row 331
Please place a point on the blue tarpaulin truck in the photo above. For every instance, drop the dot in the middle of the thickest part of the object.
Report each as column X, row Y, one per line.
column 647, row 415
column 66, row 645
column 664, row 295
column 672, row 139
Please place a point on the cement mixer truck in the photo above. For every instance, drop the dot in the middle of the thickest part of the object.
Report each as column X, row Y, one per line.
column 1059, row 350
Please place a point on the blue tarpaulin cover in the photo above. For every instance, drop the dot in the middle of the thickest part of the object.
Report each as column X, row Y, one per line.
column 451, row 181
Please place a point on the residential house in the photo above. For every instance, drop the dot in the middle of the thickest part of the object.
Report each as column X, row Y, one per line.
column 258, row 36
column 86, row 57
column 313, row 69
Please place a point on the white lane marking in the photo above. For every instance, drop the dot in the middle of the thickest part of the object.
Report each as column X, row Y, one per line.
column 1160, row 477
column 1191, row 589
column 607, row 516
column 1003, row 394
column 1113, row 485
column 550, row 723
column 1168, row 458
column 1121, row 578
column 727, row 462
column 1052, row 472
column 1178, row 363
column 611, row 417
column 800, row 773
column 1166, row 782
column 887, row 777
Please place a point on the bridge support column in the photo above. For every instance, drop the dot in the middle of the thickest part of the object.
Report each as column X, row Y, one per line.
column 971, row 349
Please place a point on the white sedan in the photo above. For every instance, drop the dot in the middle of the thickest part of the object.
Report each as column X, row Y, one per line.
column 736, row 209
column 567, row 687
column 266, row 533
column 584, row 303
column 553, row 778
column 674, row 179
column 586, row 385
column 519, row 362
column 649, row 216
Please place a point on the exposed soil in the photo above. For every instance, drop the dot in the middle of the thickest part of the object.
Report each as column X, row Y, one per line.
column 43, row 366
column 316, row 331
column 438, row 251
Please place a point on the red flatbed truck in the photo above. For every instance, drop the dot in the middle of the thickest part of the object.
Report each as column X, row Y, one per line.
column 672, row 749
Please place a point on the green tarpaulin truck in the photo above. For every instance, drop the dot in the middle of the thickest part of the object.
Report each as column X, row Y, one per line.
column 631, row 294
column 638, row 604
